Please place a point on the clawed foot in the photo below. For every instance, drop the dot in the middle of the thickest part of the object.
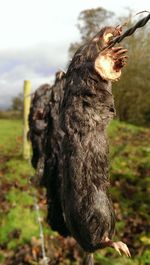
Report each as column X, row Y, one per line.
column 110, row 62
column 119, row 57
column 121, row 247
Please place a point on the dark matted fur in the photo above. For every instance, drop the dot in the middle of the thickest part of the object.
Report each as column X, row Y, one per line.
column 74, row 144
column 38, row 122
column 87, row 108
column 46, row 136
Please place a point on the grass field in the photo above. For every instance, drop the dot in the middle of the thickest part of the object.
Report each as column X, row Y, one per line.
column 130, row 187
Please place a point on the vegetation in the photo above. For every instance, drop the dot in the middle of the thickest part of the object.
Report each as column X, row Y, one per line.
column 132, row 92
column 16, row 109
column 17, row 103
column 130, row 172
column 10, row 114
column 89, row 23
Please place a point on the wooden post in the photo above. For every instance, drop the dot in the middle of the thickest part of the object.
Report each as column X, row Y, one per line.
column 27, row 101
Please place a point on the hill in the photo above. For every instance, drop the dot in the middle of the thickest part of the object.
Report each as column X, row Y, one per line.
column 130, row 179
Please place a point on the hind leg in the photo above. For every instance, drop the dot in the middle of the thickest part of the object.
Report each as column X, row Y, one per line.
column 119, row 246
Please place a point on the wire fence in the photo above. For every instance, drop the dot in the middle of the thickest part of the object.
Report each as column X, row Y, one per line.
column 129, row 32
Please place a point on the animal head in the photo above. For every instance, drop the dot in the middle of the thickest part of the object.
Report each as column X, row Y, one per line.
column 106, row 35
column 110, row 61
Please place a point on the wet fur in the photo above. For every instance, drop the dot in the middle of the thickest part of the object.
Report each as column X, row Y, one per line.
column 87, row 108
column 45, row 135
column 74, row 148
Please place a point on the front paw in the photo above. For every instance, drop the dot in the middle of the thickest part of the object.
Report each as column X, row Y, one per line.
column 109, row 63
column 120, row 58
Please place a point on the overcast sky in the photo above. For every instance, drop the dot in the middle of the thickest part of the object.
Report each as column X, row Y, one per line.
column 35, row 36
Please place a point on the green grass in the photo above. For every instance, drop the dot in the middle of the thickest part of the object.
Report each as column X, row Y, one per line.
column 10, row 136
column 130, row 188
column 18, row 218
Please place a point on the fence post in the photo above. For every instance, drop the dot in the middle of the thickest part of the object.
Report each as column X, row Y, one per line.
column 27, row 100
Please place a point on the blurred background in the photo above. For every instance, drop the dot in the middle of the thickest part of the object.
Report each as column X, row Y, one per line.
column 38, row 38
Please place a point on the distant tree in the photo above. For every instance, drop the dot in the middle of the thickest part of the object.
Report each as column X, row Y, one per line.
column 132, row 92
column 17, row 103
column 90, row 21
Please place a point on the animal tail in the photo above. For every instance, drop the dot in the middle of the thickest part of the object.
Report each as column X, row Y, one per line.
column 89, row 260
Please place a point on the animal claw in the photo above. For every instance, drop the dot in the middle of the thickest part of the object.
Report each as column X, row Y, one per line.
column 120, row 246
column 121, row 57
column 116, row 48
column 122, row 51
column 119, row 50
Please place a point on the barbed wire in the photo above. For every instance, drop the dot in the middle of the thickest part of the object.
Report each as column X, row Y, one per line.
column 45, row 259
column 129, row 32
